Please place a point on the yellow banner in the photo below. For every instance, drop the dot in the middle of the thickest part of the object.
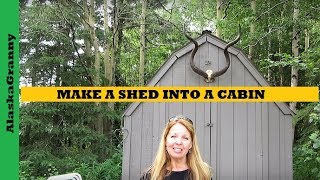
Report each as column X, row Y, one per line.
column 170, row 94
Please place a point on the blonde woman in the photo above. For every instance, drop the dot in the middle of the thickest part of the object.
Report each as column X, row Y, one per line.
column 178, row 156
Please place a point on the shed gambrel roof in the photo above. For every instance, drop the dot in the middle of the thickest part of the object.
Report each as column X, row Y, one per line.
column 209, row 38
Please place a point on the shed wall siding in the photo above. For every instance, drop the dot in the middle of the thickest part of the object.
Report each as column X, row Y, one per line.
column 258, row 143
column 274, row 142
column 214, row 58
column 147, row 135
column 136, row 148
column 156, row 132
column 282, row 147
column 126, row 148
column 265, row 140
column 245, row 140
column 288, row 147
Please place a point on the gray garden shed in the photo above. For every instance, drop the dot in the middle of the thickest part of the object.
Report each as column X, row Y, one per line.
column 238, row 140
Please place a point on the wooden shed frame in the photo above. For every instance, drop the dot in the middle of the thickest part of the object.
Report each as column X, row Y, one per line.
column 268, row 135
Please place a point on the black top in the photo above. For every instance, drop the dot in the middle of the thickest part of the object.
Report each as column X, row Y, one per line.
column 178, row 175
column 174, row 175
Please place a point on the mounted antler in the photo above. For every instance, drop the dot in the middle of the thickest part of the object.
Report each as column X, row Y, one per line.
column 209, row 75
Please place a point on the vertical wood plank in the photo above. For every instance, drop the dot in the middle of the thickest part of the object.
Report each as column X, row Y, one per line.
column 156, row 131
column 226, row 143
column 178, row 79
column 179, row 72
column 201, row 58
column 213, row 59
column 288, row 147
column 165, row 81
column 192, row 79
column 135, row 155
column 265, row 141
column 174, row 109
column 198, row 124
column 240, row 124
column 274, row 142
column 201, row 125
column 163, row 116
column 282, row 147
column 225, row 169
column 147, row 136
column 214, row 138
column 189, row 108
column 259, row 142
column 207, row 133
column 252, row 131
column 126, row 149
column 214, row 64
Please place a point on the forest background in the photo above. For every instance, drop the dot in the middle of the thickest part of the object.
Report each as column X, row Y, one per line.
column 123, row 43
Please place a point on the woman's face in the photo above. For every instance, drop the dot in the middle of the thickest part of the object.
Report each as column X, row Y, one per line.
column 178, row 142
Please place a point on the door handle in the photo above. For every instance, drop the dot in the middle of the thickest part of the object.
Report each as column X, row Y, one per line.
column 209, row 124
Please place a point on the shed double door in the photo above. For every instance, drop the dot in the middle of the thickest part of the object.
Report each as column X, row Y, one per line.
column 205, row 123
column 229, row 136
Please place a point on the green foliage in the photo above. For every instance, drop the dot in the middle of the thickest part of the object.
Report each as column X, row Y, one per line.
column 107, row 170
column 110, row 169
column 306, row 151
column 56, row 138
column 311, row 67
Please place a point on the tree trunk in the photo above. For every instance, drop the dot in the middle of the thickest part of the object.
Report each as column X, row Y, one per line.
column 252, row 30
column 142, row 41
column 295, row 51
column 94, row 39
column 219, row 17
column 108, row 71
column 269, row 44
column 306, row 40
column 280, row 41
column 115, row 37
column 280, row 52
column 87, row 41
column 89, row 22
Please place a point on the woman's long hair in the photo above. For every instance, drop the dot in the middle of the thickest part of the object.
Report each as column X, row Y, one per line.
column 199, row 170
